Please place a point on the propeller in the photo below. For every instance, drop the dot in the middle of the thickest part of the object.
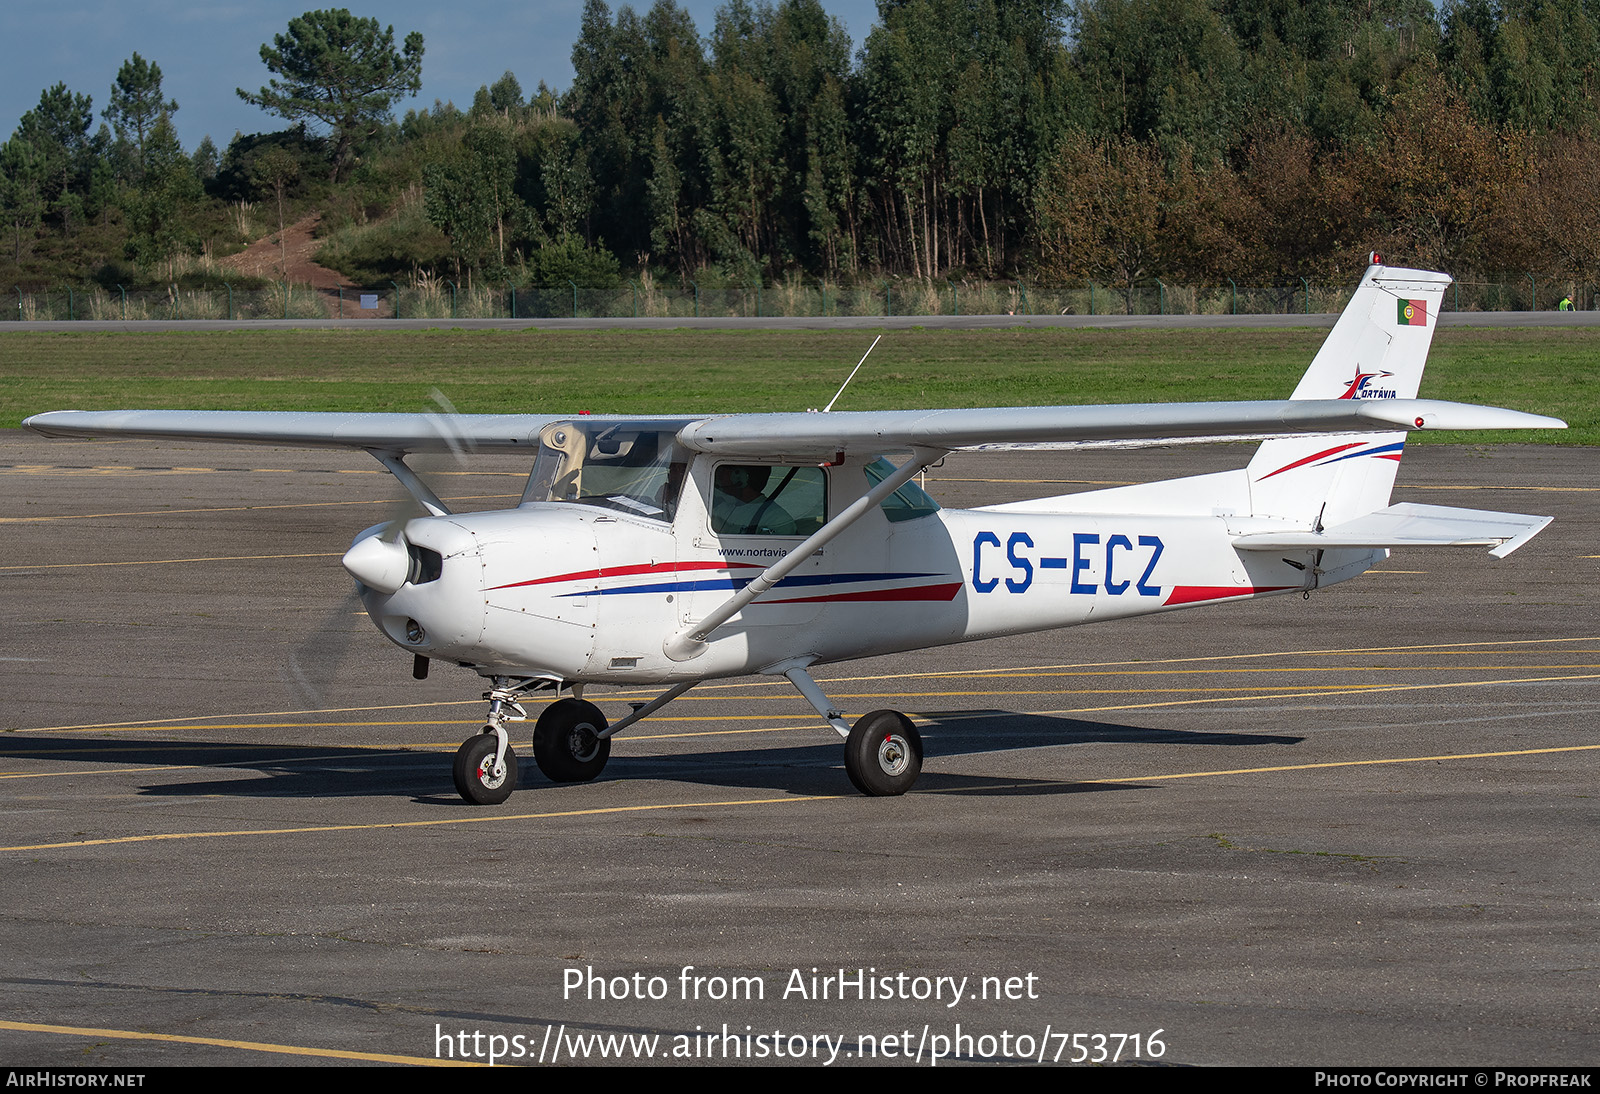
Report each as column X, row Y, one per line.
column 313, row 665
column 382, row 562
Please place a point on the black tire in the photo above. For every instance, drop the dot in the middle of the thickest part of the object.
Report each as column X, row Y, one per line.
column 471, row 770
column 566, row 741
column 883, row 755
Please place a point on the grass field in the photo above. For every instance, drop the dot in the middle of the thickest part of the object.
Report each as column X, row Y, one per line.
column 1550, row 371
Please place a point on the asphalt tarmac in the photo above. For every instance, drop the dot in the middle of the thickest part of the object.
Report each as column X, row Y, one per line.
column 1354, row 829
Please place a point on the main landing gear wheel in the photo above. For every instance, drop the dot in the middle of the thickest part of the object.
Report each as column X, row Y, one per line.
column 567, row 742
column 883, row 755
column 474, row 773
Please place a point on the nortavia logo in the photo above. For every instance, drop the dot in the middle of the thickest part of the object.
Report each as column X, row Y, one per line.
column 1360, row 386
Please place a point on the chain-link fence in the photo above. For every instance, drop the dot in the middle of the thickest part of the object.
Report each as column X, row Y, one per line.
column 793, row 297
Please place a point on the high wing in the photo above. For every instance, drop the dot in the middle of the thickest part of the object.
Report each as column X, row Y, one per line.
column 810, row 435
column 797, row 435
column 394, row 433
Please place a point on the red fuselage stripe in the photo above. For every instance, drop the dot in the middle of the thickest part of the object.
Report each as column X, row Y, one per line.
column 1197, row 594
column 919, row 592
column 641, row 568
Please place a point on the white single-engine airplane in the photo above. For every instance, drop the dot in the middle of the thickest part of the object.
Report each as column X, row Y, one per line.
column 671, row 550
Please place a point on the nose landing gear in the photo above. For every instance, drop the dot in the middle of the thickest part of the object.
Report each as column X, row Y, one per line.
column 570, row 742
column 483, row 774
column 485, row 768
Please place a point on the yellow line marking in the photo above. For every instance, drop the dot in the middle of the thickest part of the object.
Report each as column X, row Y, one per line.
column 159, row 836
column 63, row 442
column 168, row 561
column 1534, row 489
column 1333, row 690
column 152, row 723
column 1289, row 690
column 56, row 470
column 1351, row 763
column 1199, row 672
column 364, row 752
column 165, row 836
column 1453, row 647
column 1436, row 666
column 808, row 726
column 266, row 725
column 1320, row 694
column 249, row 1046
column 1441, row 647
column 1259, row 693
column 99, row 771
column 239, row 508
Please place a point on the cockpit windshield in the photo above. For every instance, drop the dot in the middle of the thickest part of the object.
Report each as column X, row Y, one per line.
column 636, row 467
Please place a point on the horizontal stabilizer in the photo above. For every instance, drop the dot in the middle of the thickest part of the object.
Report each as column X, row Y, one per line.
column 1408, row 525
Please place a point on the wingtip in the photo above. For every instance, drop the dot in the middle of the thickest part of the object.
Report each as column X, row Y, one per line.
column 41, row 423
column 1440, row 414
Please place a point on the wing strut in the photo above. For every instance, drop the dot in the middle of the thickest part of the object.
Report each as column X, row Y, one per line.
column 396, row 463
column 690, row 642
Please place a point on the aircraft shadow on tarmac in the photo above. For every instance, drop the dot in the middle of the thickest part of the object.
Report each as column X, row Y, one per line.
column 814, row 767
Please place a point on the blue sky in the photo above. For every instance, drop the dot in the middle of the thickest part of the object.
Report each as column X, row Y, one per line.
column 206, row 50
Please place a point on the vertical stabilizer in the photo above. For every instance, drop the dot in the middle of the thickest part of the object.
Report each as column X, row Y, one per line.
column 1376, row 350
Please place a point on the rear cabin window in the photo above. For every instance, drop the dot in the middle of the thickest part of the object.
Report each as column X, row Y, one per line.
column 907, row 503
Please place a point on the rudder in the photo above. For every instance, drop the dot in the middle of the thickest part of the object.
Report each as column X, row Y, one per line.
column 1376, row 350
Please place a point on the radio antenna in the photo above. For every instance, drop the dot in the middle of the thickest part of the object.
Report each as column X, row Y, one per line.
column 852, row 375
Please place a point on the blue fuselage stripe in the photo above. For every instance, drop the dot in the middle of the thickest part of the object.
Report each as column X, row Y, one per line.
column 733, row 583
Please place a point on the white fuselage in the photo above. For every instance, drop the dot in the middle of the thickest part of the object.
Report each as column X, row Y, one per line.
column 586, row 594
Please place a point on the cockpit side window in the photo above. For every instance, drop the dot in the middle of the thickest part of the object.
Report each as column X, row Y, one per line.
column 633, row 467
column 763, row 500
column 907, row 503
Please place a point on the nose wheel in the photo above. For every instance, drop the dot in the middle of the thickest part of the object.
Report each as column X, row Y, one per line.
column 479, row 777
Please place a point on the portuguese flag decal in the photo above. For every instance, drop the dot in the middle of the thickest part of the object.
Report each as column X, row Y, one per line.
column 1412, row 313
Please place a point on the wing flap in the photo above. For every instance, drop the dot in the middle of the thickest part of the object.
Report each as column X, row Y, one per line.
column 1409, row 525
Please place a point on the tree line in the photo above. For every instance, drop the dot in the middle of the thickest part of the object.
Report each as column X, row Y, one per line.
column 1117, row 140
